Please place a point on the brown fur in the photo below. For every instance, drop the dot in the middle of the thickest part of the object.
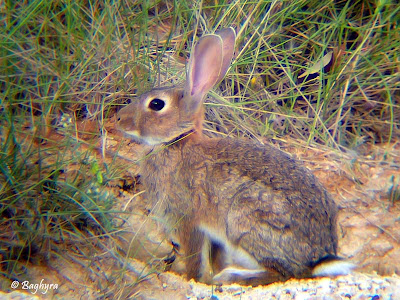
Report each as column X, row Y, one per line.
column 234, row 205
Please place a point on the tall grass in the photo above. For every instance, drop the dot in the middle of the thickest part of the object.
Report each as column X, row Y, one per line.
column 65, row 65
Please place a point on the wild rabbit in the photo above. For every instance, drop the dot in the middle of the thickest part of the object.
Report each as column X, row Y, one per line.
column 241, row 211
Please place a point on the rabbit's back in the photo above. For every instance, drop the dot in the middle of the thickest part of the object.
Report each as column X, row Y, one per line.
column 255, row 196
column 278, row 212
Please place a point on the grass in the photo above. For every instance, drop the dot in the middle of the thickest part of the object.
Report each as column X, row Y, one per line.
column 66, row 64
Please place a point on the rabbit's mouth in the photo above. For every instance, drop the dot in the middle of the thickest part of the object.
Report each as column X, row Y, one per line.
column 134, row 135
column 138, row 138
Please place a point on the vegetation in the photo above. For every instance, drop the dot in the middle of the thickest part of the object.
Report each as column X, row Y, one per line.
column 322, row 72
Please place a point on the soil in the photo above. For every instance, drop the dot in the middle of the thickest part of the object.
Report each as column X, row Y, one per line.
column 366, row 188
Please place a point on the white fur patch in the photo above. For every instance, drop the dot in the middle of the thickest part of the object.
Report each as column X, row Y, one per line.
column 333, row 268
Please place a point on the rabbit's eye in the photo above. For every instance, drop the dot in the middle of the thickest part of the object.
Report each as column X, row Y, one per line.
column 156, row 104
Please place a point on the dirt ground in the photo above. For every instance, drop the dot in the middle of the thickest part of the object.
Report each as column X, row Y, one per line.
column 366, row 188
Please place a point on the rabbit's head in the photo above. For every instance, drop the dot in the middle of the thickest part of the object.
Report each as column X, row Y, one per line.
column 164, row 114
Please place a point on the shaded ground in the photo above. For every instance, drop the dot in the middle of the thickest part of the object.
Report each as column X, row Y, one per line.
column 365, row 188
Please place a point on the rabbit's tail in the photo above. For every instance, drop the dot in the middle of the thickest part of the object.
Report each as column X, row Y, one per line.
column 332, row 266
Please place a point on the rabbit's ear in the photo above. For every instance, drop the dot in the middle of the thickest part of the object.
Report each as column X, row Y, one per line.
column 204, row 68
column 228, row 36
column 209, row 62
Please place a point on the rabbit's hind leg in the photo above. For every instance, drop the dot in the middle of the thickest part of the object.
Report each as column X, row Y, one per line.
column 235, row 274
column 197, row 249
column 228, row 263
column 241, row 267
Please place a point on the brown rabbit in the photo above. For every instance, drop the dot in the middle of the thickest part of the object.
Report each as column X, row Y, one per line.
column 241, row 211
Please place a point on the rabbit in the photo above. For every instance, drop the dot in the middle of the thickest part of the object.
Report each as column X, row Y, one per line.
column 238, row 210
